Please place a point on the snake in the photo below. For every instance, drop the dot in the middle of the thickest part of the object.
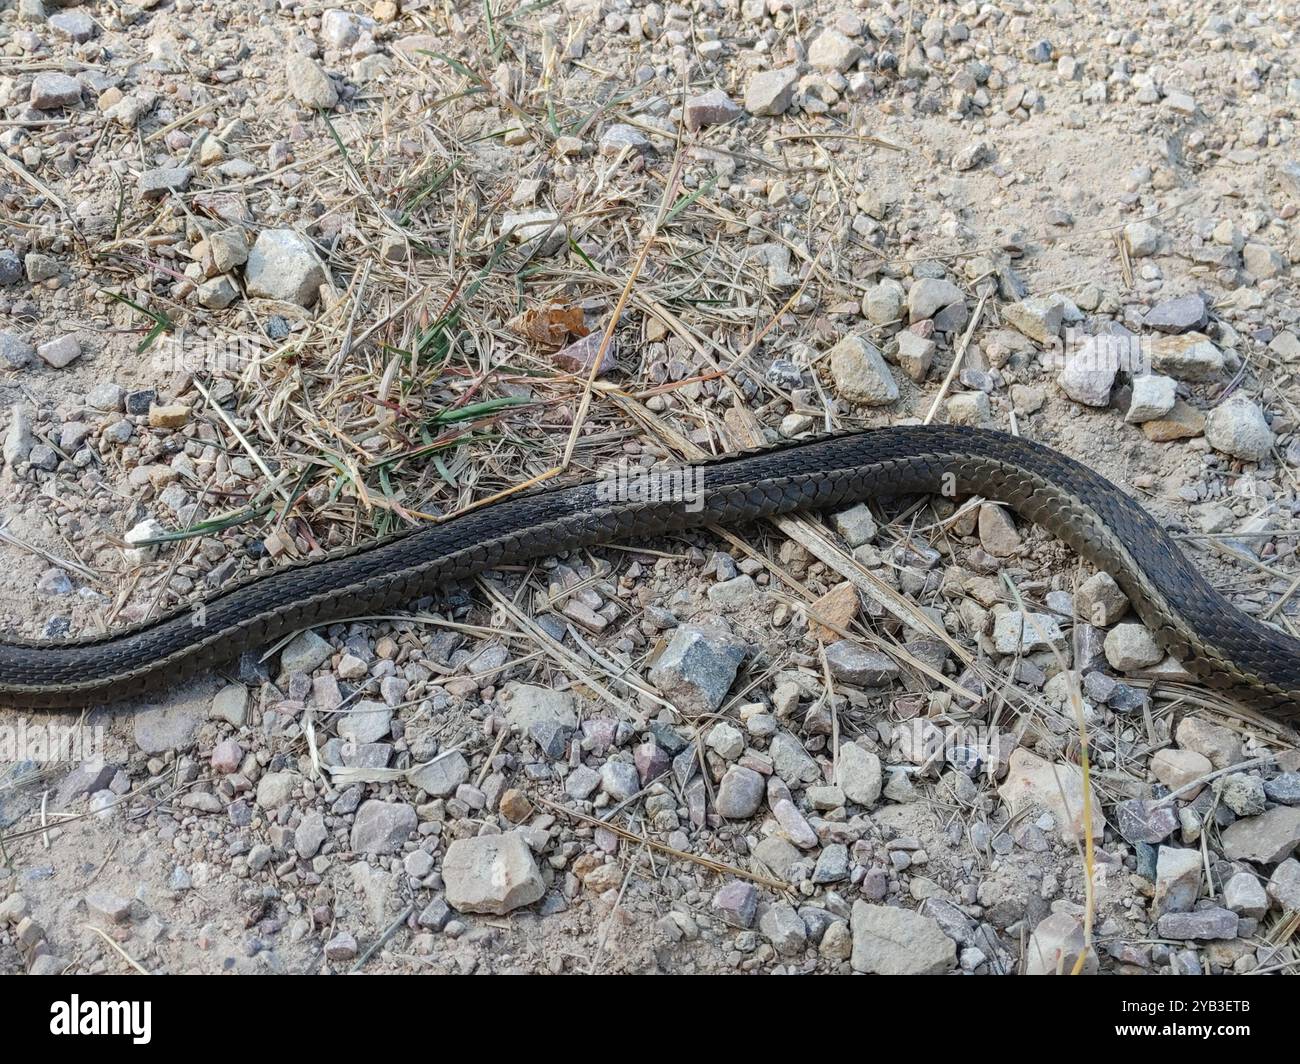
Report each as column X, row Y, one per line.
column 1247, row 660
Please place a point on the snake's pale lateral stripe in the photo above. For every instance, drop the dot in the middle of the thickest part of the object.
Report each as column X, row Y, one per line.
column 1250, row 661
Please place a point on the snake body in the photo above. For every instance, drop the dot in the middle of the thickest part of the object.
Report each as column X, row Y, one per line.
column 1247, row 660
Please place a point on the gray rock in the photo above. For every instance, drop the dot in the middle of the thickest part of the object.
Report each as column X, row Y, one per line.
column 11, row 269
column 929, row 295
column 713, row 108
column 1100, row 600
column 1177, row 315
column 1153, row 397
column 1016, row 632
column 1284, row 789
column 791, row 761
column 1237, row 427
column 1178, row 879
column 61, row 351
column 15, row 352
column 1245, row 895
column 105, row 396
column 1142, row 238
column 915, row 356
column 1262, row 261
column 619, row 779
column 770, row 92
column 39, row 267
column 276, row 788
column 155, row 184
column 383, row 827
column 231, row 705
column 284, row 266
column 854, row 664
column 308, row 83
column 832, row 52
column 18, row 439
column 440, row 777
column 1089, row 373
column 173, row 724
column 1130, row 647
column 306, row 652
column 860, row 775
column 855, row 524
column 342, row 947
column 1264, row 839
column 1243, row 794
column 1284, row 885
column 736, row 903
column 435, row 915
column 310, row 835
column 77, row 26
column 491, row 874
column 365, row 722
column 581, row 782
column 778, row 856
column 1056, row 945
column 860, row 373
column 108, row 906
column 620, row 136
column 51, row 91
column 697, row 668
column 740, row 793
column 1199, row 925
column 1143, row 821
column 218, row 293
column 782, row 926
column 891, row 941
column 832, row 865
column 883, row 303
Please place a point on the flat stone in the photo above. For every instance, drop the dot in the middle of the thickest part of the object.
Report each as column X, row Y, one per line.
column 1178, row 315
column 929, row 295
column 1183, row 422
column 893, row 941
column 1203, row 924
column 1130, row 647
column 1040, row 318
column 782, row 926
column 491, row 874
column 306, row 652
column 1246, row 896
column 854, row 664
column 1190, row 357
column 383, row 827
column 1153, row 396
column 1033, row 783
column 155, row 184
column 1264, row 839
column 860, row 775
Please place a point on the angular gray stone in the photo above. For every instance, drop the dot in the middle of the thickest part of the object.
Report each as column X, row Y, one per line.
column 284, row 266
column 854, row 664
column 736, row 903
column 491, row 874
column 440, row 777
column 770, row 92
column 791, row 761
column 860, row 775
column 1264, row 839
column 308, row 83
column 697, row 668
column 892, row 941
column 860, row 373
column 1199, row 925
column 155, row 184
column 51, row 91
column 1153, row 397
column 783, row 927
column 306, row 652
column 1245, row 895
column 1178, row 879
column 1178, row 315
column 365, row 721
column 740, row 793
column 61, row 351
column 929, row 295
column 713, row 108
column 383, row 827
column 15, row 352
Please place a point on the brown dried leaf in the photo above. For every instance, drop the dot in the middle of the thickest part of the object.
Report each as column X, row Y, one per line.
column 550, row 326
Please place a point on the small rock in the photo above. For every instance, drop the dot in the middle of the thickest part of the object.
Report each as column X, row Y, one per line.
column 894, row 941
column 308, row 83
column 491, row 874
column 740, row 793
column 770, row 92
column 1130, row 647
column 1178, row 315
column 1199, row 925
column 1153, row 397
column 60, row 352
column 1034, row 783
column 1237, row 427
column 713, row 108
column 860, row 373
column 284, row 266
column 383, row 827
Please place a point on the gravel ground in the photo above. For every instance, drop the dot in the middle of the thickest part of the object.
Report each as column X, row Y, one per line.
column 278, row 278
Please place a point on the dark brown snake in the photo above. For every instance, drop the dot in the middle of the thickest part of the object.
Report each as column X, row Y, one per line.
column 1247, row 660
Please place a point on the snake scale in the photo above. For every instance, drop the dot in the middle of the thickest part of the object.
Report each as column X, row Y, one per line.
column 1247, row 660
